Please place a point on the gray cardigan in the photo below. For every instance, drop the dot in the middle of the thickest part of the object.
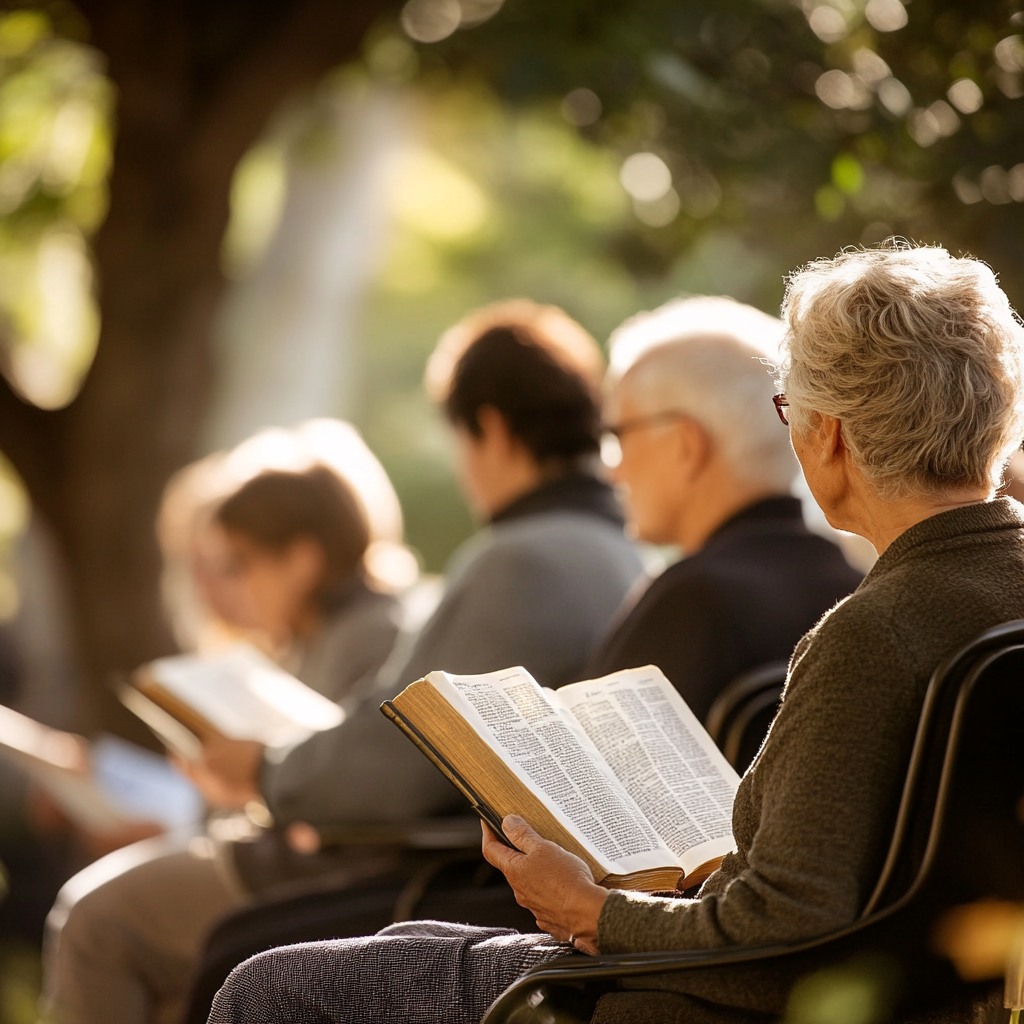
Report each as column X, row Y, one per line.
column 354, row 641
column 536, row 590
column 814, row 812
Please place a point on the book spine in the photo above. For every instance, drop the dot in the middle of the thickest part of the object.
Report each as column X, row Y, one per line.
column 446, row 769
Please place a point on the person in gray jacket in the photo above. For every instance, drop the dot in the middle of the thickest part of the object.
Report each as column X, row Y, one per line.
column 537, row 587
column 903, row 386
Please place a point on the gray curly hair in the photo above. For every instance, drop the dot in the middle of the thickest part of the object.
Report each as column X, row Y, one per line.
column 918, row 354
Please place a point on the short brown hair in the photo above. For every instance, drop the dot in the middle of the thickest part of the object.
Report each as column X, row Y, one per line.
column 279, row 507
column 534, row 364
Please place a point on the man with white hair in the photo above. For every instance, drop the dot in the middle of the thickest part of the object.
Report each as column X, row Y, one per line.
column 704, row 467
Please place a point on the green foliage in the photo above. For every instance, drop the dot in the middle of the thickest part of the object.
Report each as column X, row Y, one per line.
column 493, row 202
column 859, row 991
column 600, row 155
column 54, row 158
column 817, row 125
column 20, row 983
column 786, row 131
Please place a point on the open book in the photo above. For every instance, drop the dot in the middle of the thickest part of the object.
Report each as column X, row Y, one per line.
column 617, row 770
column 238, row 693
column 115, row 784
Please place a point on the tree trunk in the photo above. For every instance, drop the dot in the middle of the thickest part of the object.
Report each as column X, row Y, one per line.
column 288, row 332
column 195, row 84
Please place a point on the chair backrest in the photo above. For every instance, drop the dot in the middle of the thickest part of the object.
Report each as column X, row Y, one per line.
column 739, row 718
column 964, row 743
column 959, row 836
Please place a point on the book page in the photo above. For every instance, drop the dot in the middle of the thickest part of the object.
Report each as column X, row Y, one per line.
column 663, row 756
column 144, row 785
column 245, row 696
column 515, row 717
column 92, row 793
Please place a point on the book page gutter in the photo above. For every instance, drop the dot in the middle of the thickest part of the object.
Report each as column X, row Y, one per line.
column 660, row 752
column 512, row 714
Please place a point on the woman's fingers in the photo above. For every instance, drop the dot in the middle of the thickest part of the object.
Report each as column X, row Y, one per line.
column 495, row 851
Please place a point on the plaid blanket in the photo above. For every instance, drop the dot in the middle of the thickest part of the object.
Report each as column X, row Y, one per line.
column 419, row 972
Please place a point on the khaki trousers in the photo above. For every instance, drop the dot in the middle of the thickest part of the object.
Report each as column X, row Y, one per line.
column 124, row 934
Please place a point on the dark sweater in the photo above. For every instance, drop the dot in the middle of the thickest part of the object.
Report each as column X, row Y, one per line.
column 743, row 600
column 814, row 813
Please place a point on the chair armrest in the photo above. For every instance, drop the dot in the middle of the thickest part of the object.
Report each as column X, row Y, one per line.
column 461, row 833
column 579, row 968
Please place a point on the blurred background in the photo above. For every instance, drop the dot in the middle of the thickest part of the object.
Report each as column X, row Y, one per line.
column 224, row 215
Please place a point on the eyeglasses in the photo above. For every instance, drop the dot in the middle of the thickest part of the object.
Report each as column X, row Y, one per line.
column 781, row 405
column 620, row 430
column 613, row 433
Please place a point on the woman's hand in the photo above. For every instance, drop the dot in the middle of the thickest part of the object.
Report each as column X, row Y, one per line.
column 553, row 884
column 227, row 772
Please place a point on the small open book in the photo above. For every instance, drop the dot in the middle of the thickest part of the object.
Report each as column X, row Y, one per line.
column 617, row 770
column 238, row 693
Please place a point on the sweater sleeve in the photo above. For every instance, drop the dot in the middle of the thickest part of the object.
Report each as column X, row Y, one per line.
column 813, row 812
column 506, row 604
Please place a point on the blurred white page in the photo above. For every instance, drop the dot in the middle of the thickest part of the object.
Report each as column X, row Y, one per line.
column 245, row 696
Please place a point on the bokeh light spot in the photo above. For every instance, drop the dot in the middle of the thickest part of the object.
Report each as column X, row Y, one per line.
column 430, row 21
column 886, row 15
column 827, row 24
column 1009, row 53
column 646, row 177
column 581, row 107
column 895, row 96
column 829, row 203
column 966, row 190
column 995, row 186
column 1015, row 182
column 847, row 174
column 660, row 212
column 869, row 66
column 840, row 91
column 965, row 95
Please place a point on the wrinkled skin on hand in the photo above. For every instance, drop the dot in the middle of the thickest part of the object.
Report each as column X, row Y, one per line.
column 554, row 885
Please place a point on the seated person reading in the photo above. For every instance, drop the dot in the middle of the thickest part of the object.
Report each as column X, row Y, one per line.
column 903, row 393
column 289, row 550
column 688, row 401
column 537, row 586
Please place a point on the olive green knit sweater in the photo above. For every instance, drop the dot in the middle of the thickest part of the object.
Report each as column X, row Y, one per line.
column 814, row 813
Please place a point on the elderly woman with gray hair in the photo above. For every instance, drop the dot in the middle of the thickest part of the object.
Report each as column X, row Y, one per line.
column 903, row 392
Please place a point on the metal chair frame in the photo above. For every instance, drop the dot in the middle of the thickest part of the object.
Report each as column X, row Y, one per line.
column 730, row 716
column 938, row 733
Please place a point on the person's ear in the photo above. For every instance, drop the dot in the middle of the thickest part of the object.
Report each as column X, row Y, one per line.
column 830, row 435
column 307, row 562
column 495, row 431
column 691, row 446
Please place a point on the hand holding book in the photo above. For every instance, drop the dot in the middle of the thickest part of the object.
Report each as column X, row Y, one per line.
column 554, row 885
column 617, row 771
column 225, row 770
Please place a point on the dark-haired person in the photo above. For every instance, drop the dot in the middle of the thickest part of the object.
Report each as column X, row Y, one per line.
column 537, row 586
column 293, row 550
column 904, row 395
column 123, row 932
